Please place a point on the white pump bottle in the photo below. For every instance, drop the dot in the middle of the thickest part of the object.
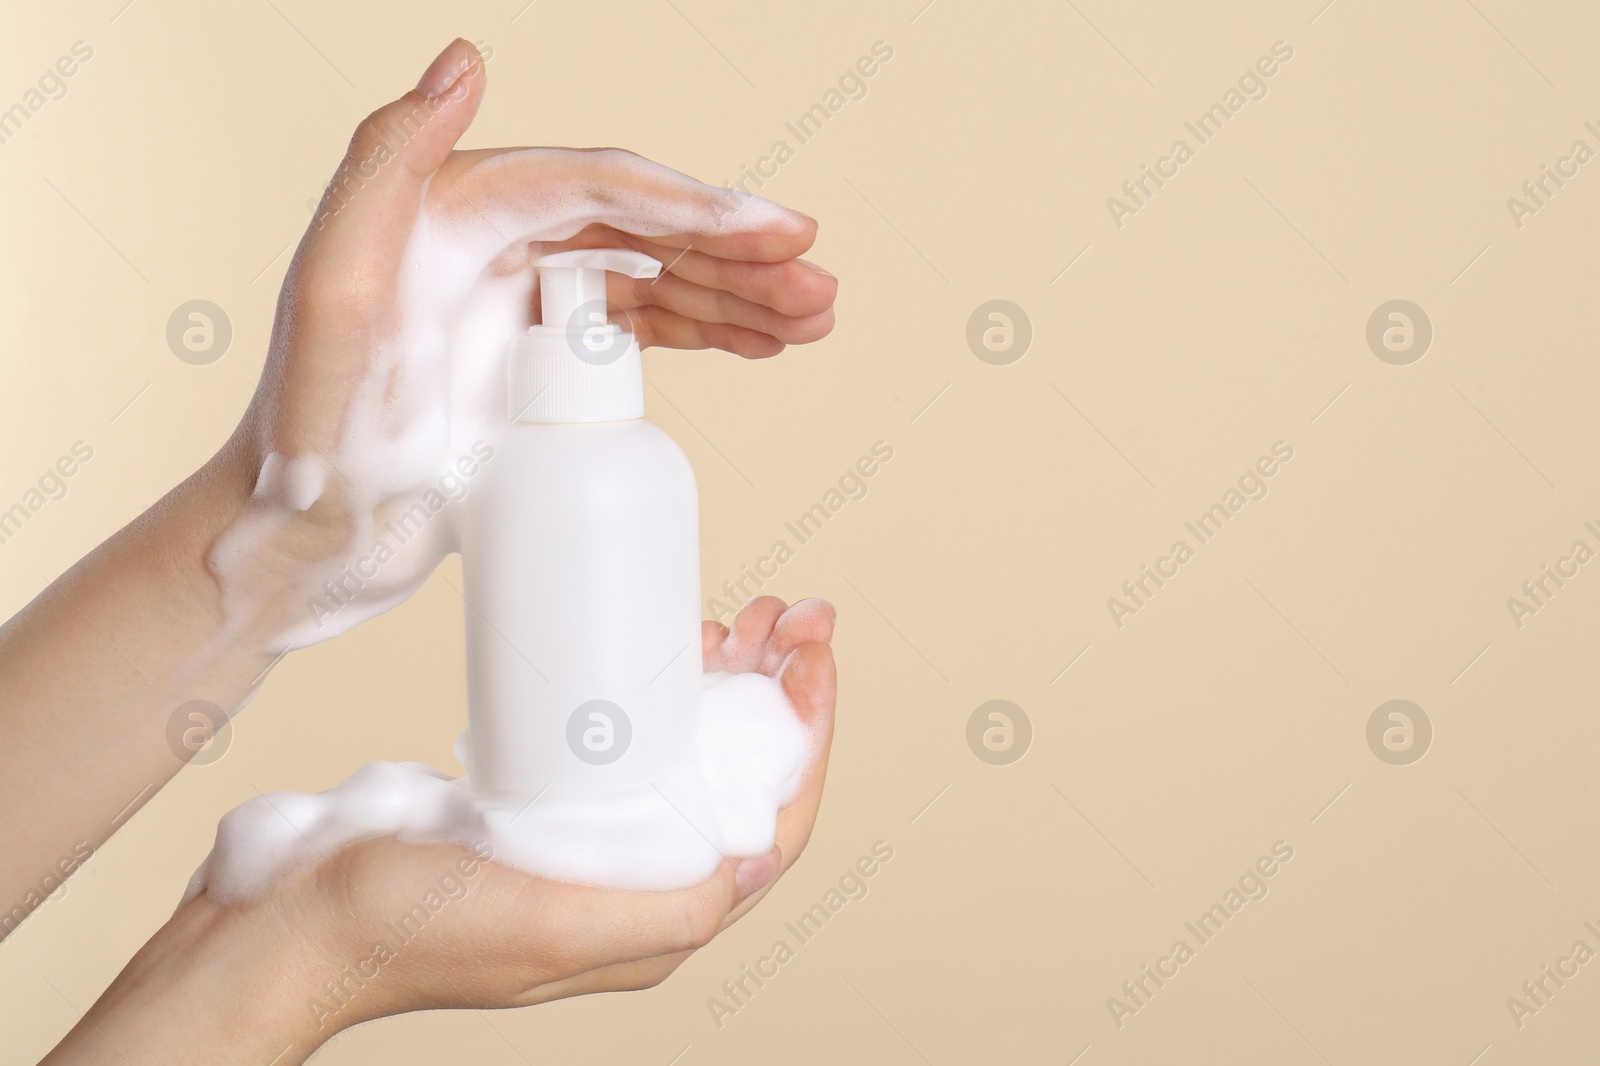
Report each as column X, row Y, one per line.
column 581, row 553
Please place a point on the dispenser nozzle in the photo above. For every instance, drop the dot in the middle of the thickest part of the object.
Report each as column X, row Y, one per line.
column 570, row 280
column 576, row 365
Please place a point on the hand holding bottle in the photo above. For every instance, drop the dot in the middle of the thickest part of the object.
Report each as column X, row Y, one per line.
column 384, row 928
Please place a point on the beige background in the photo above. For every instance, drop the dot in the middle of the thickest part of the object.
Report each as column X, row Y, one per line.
column 1228, row 314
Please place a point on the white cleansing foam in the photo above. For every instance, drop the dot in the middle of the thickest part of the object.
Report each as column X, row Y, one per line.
column 721, row 797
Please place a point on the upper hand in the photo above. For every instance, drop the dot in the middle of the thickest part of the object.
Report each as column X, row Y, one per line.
column 386, row 359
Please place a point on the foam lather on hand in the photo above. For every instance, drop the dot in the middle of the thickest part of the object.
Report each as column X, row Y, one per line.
column 722, row 799
column 428, row 396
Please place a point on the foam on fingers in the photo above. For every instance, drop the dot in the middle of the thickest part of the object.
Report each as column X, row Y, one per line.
column 809, row 621
column 745, row 648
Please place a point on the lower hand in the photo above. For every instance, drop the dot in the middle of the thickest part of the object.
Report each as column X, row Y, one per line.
column 348, row 941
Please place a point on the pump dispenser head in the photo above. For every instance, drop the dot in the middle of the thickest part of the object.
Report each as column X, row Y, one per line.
column 575, row 366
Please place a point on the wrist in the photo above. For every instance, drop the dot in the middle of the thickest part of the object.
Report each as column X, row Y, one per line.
column 215, row 985
column 240, row 567
column 232, row 609
column 277, row 559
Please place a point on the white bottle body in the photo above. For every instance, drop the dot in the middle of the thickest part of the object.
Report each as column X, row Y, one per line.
column 582, row 564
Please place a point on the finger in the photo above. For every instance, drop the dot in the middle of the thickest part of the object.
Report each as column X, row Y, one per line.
column 523, row 191
column 757, row 876
column 794, row 287
column 631, row 976
column 718, row 305
column 810, row 681
column 341, row 280
column 371, row 203
column 744, row 651
column 573, row 928
column 808, row 622
column 712, row 634
column 764, row 641
column 754, row 876
column 656, row 327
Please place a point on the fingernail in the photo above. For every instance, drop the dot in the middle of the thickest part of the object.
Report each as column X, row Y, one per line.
column 755, row 873
column 814, row 266
column 442, row 73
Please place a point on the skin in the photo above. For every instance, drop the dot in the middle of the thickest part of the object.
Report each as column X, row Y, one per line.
column 247, row 983
column 92, row 669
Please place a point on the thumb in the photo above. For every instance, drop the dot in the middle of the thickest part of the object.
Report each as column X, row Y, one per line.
column 399, row 146
column 341, row 280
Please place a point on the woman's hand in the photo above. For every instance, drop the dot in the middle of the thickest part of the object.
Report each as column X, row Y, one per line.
column 384, row 928
column 386, row 364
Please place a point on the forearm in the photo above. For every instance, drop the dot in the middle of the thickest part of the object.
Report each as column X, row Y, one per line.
column 92, row 671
